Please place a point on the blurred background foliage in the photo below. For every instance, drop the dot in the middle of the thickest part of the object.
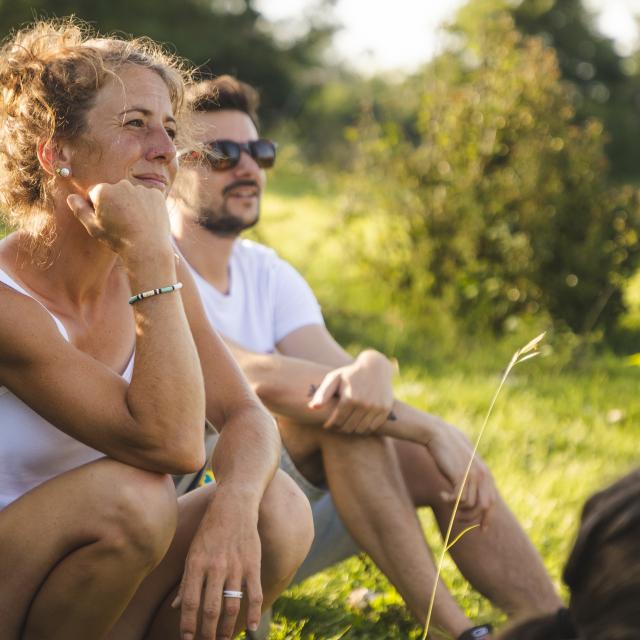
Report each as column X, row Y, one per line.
column 490, row 195
column 493, row 187
column 218, row 36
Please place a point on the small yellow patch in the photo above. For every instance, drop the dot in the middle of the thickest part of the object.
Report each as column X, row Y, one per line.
column 206, row 478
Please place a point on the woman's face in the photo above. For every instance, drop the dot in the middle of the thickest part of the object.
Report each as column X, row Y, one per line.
column 129, row 135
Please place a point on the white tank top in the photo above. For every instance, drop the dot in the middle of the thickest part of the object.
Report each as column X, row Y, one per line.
column 33, row 450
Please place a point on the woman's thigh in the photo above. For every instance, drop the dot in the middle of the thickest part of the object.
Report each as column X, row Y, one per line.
column 67, row 513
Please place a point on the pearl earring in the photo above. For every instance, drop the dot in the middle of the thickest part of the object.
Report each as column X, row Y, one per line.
column 63, row 172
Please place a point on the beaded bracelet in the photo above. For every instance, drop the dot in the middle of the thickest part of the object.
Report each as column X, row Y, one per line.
column 155, row 292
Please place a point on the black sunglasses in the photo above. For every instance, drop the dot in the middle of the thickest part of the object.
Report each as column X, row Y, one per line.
column 225, row 154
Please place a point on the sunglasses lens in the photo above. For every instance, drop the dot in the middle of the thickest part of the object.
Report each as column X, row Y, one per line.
column 264, row 153
column 223, row 154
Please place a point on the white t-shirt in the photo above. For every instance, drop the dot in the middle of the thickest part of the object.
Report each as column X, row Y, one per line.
column 267, row 299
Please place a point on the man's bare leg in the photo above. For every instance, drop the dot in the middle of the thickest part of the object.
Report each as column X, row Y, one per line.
column 501, row 562
column 371, row 497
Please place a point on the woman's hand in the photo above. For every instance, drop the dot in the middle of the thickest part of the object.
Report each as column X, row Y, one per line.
column 124, row 216
column 225, row 554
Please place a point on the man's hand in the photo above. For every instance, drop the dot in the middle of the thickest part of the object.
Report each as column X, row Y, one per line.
column 225, row 554
column 364, row 394
column 452, row 451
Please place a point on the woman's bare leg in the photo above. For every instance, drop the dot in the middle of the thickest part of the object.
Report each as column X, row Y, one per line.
column 285, row 528
column 74, row 550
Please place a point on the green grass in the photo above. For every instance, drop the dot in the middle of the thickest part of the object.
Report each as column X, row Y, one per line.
column 562, row 428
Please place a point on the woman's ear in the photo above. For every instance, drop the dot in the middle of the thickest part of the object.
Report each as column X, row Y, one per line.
column 53, row 157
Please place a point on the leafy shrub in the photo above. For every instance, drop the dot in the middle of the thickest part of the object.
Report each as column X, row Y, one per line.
column 489, row 197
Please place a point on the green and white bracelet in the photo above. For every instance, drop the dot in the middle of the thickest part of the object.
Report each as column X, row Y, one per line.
column 155, row 292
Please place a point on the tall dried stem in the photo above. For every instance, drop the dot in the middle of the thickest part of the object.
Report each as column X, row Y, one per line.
column 530, row 350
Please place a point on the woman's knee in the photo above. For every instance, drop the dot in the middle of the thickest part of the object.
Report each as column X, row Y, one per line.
column 139, row 516
column 286, row 524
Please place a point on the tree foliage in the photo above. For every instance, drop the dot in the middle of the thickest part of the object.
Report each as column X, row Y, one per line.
column 607, row 83
column 490, row 197
column 220, row 36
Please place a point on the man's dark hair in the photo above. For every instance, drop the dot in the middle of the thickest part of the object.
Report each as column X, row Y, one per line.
column 224, row 93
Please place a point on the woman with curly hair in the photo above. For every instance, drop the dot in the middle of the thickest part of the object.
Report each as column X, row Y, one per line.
column 108, row 367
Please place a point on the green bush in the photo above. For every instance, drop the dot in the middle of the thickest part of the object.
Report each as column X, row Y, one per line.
column 489, row 198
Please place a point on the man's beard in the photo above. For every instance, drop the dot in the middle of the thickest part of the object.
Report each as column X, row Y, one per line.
column 222, row 222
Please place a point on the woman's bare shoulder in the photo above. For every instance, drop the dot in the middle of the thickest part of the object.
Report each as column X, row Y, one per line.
column 25, row 326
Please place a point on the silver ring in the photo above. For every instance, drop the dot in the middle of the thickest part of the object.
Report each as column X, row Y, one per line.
column 230, row 593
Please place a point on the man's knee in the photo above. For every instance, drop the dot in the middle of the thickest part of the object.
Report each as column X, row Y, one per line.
column 285, row 524
column 356, row 452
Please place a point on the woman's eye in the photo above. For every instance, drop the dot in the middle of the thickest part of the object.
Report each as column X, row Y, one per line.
column 172, row 133
column 136, row 122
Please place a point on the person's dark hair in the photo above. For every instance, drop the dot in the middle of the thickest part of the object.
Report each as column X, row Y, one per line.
column 602, row 572
column 224, row 93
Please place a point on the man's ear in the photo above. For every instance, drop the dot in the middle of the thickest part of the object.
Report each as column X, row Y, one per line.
column 52, row 155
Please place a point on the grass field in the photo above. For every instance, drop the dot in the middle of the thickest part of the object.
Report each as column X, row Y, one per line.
column 563, row 427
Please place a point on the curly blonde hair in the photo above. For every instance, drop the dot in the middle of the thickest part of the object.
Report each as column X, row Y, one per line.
column 50, row 73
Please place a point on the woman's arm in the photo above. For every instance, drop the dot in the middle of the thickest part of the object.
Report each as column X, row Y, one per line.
column 248, row 450
column 226, row 552
column 156, row 421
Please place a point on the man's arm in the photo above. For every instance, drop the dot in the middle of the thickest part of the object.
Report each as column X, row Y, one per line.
column 312, row 379
column 286, row 385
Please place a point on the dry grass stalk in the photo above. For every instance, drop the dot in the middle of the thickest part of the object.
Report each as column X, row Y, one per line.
column 530, row 350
